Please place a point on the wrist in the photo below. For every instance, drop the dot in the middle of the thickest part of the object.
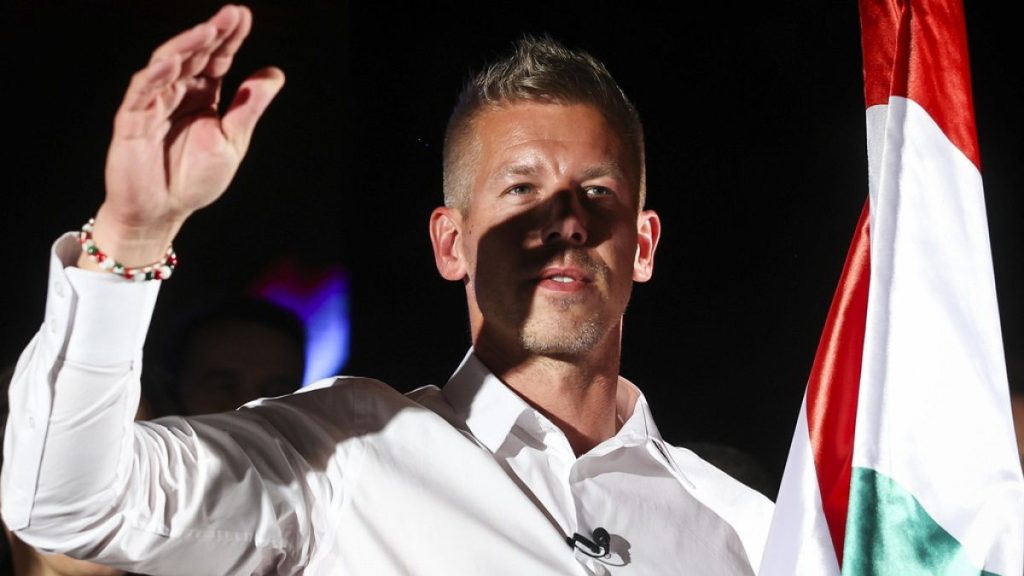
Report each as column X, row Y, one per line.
column 130, row 246
column 124, row 246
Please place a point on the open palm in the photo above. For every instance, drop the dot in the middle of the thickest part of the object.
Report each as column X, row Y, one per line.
column 172, row 152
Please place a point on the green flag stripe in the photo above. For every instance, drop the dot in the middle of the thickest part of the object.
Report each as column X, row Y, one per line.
column 889, row 532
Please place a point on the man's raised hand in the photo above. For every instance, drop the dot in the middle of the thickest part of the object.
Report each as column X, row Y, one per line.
column 172, row 152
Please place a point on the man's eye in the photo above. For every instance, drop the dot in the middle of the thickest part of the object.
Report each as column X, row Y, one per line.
column 598, row 191
column 519, row 190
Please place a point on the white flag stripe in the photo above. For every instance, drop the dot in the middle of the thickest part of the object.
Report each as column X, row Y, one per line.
column 799, row 540
column 933, row 412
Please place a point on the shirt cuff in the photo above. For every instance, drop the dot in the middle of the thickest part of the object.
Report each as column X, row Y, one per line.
column 100, row 318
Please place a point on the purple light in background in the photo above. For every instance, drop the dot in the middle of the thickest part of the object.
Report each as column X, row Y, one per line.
column 321, row 300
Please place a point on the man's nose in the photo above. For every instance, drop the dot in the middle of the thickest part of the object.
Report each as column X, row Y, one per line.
column 566, row 220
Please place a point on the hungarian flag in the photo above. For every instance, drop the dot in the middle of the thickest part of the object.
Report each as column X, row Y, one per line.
column 904, row 459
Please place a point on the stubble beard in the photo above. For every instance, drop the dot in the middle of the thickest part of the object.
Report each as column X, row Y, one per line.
column 563, row 326
column 559, row 333
column 558, row 330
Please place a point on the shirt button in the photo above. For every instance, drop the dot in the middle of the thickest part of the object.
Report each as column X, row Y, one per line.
column 31, row 422
column 58, row 289
column 53, row 325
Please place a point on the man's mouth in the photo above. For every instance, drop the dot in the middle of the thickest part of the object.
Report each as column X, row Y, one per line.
column 561, row 279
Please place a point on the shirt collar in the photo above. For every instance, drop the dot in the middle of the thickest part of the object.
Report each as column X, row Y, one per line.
column 639, row 425
column 488, row 406
column 491, row 409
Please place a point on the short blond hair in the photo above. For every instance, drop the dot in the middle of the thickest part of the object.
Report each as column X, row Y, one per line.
column 538, row 69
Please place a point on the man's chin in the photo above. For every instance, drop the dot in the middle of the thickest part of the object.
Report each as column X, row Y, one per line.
column 566, row 338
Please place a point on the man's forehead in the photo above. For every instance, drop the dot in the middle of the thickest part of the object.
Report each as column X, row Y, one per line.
column 539, row 112
column 544, row 124
column 522, row 139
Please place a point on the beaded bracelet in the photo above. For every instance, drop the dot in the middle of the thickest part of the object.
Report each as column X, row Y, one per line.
column 156, row 271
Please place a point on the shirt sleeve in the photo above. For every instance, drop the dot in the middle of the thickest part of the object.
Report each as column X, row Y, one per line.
column 91, row 340
column 223, row 494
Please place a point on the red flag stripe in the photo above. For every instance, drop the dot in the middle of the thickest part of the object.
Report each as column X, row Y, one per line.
column 834, row 384
column 918, row 49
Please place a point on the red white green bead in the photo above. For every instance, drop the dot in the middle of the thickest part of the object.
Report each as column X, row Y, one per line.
column 161, row 270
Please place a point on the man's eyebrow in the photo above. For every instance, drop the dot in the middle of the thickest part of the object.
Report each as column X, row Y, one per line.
column 606, row 170
column 518, row 170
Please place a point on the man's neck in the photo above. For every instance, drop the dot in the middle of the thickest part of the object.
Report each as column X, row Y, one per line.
column 578, row 393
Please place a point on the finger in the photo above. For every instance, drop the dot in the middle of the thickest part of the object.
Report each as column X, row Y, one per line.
column 196, row 94
column 222, row 56
column 251, row 100
column 226, row 23
column 195, row 39
column 202, row 88
column 181, row 57
column 147, row 84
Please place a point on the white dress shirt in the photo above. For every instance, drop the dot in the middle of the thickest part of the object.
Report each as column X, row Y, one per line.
column 346, row 477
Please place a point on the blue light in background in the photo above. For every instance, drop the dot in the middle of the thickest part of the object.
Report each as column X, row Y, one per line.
column 321, row 300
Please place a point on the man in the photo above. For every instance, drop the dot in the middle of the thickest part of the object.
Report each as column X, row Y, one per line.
column 535, row 458
column 240, row 350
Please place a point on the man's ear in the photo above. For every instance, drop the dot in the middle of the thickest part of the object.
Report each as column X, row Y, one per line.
column 648, row 228
column 446, row 236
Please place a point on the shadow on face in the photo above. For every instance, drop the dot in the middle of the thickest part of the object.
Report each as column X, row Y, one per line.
column 551, row 237
column 540, row 291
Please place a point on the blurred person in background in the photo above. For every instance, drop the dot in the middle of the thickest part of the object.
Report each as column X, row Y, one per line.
column 238, row 351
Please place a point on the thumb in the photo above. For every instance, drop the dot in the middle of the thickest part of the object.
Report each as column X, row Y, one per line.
column 252, row 98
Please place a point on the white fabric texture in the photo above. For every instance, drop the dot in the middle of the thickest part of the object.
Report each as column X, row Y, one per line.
column 346, row 477
column 934, row 406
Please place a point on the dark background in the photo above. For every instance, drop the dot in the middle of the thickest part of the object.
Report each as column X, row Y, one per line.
column 756, row 163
